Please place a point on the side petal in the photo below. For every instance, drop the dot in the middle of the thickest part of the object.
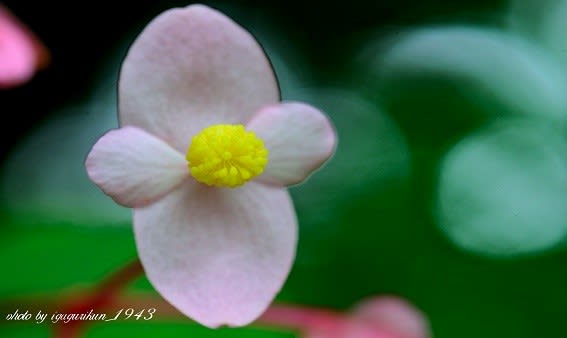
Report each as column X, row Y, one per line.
column 134, row 167
column 393, row 315
column 218, row 255
column 299, row 139
column 191, row 68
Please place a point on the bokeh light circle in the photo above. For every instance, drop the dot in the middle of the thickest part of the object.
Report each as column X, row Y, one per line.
column 502, row 191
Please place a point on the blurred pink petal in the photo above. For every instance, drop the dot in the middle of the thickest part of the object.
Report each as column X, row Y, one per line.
column 21, row 53
column 379, row 317
column 393, row 315
column 300, row 139
column 192, row 68
column 135, row 168
column 218, row 255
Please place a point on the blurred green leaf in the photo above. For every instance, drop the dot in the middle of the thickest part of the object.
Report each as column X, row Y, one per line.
column 25, row 330
column 544, row 21
column 132, row 328
column 554, row 26
column 502, row 191
column 53, row 259
column 353, row 208
column 44, row 180
column 441, row 82
column 526, row 16
column 155, row 329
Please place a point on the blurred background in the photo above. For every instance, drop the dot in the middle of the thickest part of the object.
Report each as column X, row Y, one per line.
column 448, row 187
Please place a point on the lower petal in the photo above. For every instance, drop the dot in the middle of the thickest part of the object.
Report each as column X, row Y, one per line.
column 218, row 255
column 299, row 138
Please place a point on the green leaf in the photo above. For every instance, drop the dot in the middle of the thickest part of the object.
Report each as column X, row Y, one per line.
column 502, row 191
column 39, row 259
column 161, row 329
column 440, row 82
column 545, row 21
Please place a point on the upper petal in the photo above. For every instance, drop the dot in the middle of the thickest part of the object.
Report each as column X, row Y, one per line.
column 299, row 138
column 191, row 68
column 218, row 255
column 134, row 167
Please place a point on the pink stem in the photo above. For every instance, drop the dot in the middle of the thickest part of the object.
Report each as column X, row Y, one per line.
column 300, row 318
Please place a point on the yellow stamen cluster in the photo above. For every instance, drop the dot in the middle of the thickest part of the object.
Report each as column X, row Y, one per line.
column 226, row 155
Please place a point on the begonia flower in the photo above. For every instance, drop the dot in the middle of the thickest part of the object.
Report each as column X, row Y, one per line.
column 378, row 317
column 203, row 155
column 21, row 53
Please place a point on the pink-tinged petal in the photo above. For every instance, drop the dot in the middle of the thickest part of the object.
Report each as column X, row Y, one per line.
column 299, row 139
column 218, row 255
column 393, row 315
column 19, row 55
column 134, row 167
column 191, row 68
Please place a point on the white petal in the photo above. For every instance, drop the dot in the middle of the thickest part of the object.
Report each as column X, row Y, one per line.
column 134, row 167
column 299, row 139
column 191, row 68
column 218, row 255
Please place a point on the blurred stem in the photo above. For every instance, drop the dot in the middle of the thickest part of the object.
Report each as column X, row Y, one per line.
column 300, row 318
column 100, row 298
column 106, row 296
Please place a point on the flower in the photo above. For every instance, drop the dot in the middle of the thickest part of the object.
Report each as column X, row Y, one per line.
column 215, row 229
column 377, row 317
column 21, row 53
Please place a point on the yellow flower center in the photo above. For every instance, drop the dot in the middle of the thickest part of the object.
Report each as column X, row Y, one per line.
column 226, row 155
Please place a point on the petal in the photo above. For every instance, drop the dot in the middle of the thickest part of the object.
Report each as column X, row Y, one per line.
column 393, row 315
column 134, row 167
column 18, row 58
column 191, row 68
column 299, row 138
column 218, row 255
